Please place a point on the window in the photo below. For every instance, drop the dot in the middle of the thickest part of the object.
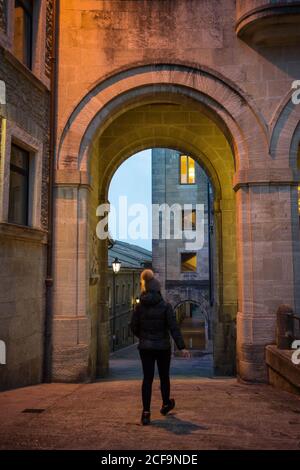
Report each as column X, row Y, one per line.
column 18, row 186
column 23, row 31
column 187, row 170
column 188, row 262
column 189, row 219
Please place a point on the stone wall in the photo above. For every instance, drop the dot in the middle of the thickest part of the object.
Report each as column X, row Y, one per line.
column 23, row 249
column 22, row 305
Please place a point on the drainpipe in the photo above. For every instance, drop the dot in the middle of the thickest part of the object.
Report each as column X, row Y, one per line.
column 47, row 359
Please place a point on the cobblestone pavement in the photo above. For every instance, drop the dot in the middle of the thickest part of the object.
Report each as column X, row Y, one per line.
column 210, row 413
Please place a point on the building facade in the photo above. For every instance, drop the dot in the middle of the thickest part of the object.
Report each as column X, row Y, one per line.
column 212, row 79
column 25, row 56
column 183, row 262
column 123, row 289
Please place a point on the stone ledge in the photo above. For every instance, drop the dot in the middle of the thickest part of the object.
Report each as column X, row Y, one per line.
column 23, row 233
column 26, row 72
column 71, row 178
column 269, row 176
column 283, row 373
column 268, row 23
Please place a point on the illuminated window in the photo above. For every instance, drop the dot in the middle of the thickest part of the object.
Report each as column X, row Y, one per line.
column 187, row 170
column 18, row 186
column 188, row 262
column 23, row 22
column 189, row 219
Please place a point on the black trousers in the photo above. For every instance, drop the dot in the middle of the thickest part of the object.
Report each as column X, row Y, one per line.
column 163, row 359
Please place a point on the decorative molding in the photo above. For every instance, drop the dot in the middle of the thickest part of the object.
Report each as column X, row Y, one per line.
column 94, row 262
column 49, row 37
column 71, row 178
column 268, row 176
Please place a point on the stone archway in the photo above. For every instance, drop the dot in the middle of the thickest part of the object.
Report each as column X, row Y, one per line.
column 80, row 323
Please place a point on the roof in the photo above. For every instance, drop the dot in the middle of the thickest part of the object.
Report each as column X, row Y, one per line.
column 131, row 256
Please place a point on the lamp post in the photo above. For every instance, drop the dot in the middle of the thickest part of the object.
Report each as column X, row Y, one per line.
column 116, row 266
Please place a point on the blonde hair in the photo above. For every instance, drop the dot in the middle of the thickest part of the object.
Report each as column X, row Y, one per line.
column 146, row 275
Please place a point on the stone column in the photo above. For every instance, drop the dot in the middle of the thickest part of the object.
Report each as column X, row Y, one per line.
column 70, row 319
column 103, row 313
column 268, row 268
column 225, row 287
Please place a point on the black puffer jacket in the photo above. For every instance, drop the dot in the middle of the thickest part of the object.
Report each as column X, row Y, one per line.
column 151, row 322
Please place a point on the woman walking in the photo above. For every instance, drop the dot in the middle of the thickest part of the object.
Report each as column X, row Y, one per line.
column 151, row 322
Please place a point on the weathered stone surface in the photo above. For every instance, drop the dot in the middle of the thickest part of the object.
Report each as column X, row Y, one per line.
column 49, row 37
column 283, row 374
column 209, row 414
column 23, row 250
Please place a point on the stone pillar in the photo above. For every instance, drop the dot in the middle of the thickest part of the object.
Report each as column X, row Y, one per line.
column 70, row 319
column 268, row 256
column 225, row 287
column 103, row 314
column 98, row 308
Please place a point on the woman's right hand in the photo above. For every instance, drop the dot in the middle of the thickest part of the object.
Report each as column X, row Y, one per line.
column 185, row 353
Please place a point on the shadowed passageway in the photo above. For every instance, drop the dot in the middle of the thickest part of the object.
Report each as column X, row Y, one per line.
column 125, row 364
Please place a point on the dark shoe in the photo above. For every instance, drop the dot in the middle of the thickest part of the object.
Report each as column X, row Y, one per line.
column 166, row 408
column 145, row 419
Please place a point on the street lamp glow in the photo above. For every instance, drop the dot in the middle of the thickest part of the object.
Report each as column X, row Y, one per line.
column 116, row 265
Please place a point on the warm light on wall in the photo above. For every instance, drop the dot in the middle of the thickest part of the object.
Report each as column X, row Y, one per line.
column 2, row 138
